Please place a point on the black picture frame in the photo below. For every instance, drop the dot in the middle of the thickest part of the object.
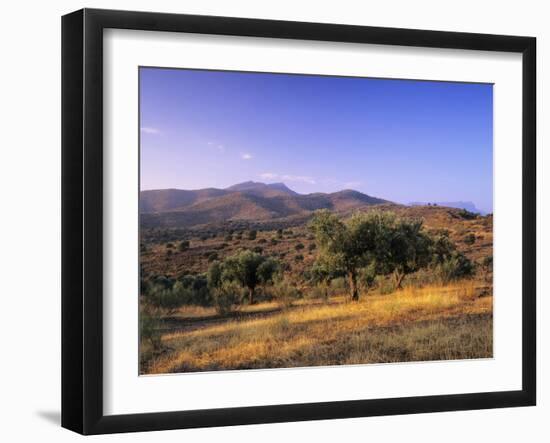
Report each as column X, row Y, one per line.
column 82, row 218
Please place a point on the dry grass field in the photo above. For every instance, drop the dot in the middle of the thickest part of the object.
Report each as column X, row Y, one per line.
column 413, row 324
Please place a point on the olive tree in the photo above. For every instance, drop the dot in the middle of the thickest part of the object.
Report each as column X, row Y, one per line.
column 322, row 272
column 410, row 249
column 347, row 246
column 267, row 271
column 247, row 268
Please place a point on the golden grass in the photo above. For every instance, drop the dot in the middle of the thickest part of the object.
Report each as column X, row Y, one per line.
column 432, row 323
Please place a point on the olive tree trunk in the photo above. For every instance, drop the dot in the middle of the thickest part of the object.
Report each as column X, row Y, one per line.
column 398, row 279
column 250, row 295
column 352, row 277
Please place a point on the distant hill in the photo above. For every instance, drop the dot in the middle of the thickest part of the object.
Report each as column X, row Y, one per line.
column 469, row 206
column 251, row 201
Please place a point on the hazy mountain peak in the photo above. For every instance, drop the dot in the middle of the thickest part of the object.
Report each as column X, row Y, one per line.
column 254, row 186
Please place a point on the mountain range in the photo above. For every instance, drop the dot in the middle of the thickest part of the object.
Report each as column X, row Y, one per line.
column 248, row 201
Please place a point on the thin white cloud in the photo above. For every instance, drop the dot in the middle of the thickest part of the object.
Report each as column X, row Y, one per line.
column 269, row 176
column 149, row 130
column 246, row 156
column 288, row 178
column 354, row 184
column 299, row 178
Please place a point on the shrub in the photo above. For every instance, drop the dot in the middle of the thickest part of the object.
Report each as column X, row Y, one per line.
column 184, row 245
column 212, row 256
column 455, row 267
column 470, row 239
column 299, row 246
column 262, row 241
column 149, row 330
column 285, row 293
column 487, row 266
column 274, row 241
column 228, row 237
column 258, row 249
column 226, row 296
column 385, row 285
column 312, row 247
column 467, row 215
column 299, row 257
column 166, row 299
column 203, row 237
column 169, row 245
column 252, row 234
column 161, row 280
column 487, row 262
column 339, row 285
column 319, row 292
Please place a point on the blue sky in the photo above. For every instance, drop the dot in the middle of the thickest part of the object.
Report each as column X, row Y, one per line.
column 402, row 140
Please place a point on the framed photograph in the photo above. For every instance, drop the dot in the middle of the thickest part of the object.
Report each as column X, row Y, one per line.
column 268, row 221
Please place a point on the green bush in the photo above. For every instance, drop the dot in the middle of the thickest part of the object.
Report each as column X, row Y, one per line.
column 319, row 292
column 285, row 293
column 252, row 234
column 227, row 296
column 487, row 267
column 149, row 330
column 166, row 299
column 184, row 245
column 470, row 239
column 455, row 267
column 299, row 246
column 338, row 285
column 467, row 215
